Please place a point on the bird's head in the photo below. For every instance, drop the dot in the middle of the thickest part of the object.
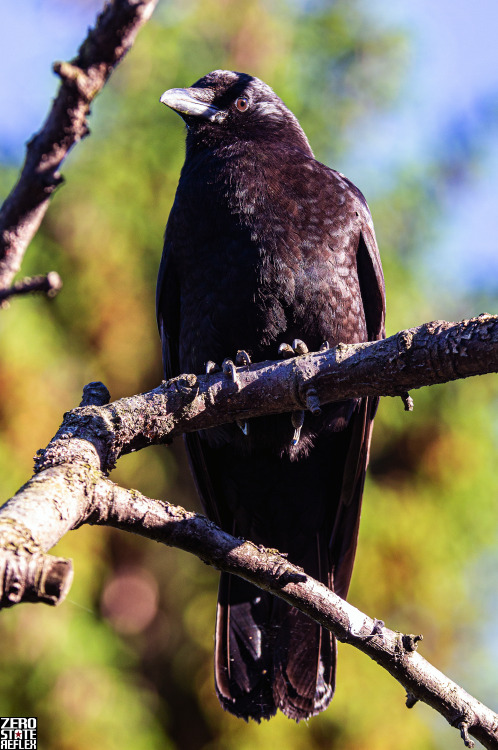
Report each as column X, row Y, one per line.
column 225, row 105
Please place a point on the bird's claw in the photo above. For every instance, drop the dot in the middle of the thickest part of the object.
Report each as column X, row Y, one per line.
column 297, row 419
column 299, row 347
column 211, row 367
column 230, row 371
column 285, row 351
column 244, row 426
column 242, row 358
column 324, row 346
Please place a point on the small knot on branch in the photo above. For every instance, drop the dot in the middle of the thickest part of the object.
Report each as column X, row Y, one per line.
column 407, row 401
column 312, row 401
column 95, row 394
column 411, row 700
column 463, row 726
column 72, row 75
column 410, row 642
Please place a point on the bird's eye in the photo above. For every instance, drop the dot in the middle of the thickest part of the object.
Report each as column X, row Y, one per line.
column 242, row 103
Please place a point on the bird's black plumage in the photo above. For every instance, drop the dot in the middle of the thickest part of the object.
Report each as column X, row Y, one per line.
column 265, row 244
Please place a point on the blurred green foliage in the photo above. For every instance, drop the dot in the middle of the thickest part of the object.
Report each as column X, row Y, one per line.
column 102, row 670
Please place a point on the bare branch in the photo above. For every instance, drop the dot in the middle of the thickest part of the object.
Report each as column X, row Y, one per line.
column 70, row 488
column 66, row 124
column 97, row 500
column 432, row 353
column 50, row 285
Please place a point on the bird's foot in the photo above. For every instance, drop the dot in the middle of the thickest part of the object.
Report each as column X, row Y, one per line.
column 212, row 367
column 243, row 359
column 286, row 351
column 229, row 369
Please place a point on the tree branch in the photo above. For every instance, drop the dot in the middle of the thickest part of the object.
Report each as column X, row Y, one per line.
column 50, row 285
column 433, row 353
column 66, row 124
column 69, row 487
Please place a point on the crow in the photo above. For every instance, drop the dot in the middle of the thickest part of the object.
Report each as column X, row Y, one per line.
column 264, row 246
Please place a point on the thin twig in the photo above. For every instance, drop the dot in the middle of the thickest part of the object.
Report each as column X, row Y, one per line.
column 66, row 124
column 50, row 285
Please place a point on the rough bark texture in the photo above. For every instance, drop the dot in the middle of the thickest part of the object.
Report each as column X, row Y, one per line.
column 432, row 353
column 70, row 488
column 66, row 124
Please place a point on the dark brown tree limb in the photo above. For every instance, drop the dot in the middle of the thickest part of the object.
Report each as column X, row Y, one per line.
column 66, row 124
column 69, row 487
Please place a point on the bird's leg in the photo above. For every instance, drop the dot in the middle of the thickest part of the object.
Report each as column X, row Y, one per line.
column 286, row 351
column 243, row 359
column 229, row 371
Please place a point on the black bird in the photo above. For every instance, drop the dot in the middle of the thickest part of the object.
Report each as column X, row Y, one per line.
column 265, row 245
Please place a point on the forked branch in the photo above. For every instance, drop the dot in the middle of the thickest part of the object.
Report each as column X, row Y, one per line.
column 70, row 488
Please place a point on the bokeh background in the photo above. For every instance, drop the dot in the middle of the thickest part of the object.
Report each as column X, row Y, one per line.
column 403, row 98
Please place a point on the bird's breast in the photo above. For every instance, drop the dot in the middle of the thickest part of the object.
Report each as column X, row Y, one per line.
column 261, row 264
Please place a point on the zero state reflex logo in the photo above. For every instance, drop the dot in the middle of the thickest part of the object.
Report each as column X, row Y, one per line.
column 17, row 733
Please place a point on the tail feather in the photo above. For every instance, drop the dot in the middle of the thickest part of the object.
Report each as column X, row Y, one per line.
column 242, row 651
column 270, row 655
column 304, row 668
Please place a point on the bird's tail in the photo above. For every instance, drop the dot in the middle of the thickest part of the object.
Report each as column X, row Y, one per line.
column 269, row 655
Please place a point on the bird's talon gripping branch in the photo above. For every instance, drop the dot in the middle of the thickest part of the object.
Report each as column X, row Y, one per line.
column 324, row 346
column 297, row 419
column 242, row 358
column 285, row 351
column 211, row 367
column 299, row 347
column 230, row 371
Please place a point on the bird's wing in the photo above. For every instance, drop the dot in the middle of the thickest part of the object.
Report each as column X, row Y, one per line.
column 371, row 281
column 343, row 541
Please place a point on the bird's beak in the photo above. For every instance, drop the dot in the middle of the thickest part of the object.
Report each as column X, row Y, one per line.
column 188, row 102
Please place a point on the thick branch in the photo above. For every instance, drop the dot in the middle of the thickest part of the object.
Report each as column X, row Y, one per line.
column 432, row 353
column 82, row 79
column 69, row 487
column 87, row 496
